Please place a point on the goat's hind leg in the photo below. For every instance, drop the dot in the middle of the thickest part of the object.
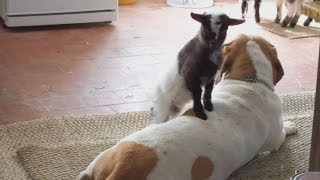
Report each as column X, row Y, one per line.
column 279, row 11
column 244, row 8
column 257, row 4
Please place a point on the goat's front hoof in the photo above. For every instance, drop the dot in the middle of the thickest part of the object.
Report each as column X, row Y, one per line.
column 201, row 115
column 208, row 105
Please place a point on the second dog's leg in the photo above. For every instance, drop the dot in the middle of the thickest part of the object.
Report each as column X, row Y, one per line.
column 296, row 17
column 207, row 96
column 257, row 10
column 307, row 21
column 244, row 8
column 279, row 11
column 277, row 137
column 290, row 13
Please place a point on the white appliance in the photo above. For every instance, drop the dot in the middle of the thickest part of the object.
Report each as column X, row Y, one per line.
column 50, row 12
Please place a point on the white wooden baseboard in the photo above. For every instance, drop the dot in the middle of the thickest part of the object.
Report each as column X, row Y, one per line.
column 54, row 19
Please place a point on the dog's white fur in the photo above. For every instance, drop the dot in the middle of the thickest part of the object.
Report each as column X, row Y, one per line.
column 246, row 121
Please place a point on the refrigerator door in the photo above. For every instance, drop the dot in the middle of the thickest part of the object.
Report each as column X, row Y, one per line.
column 34, row 7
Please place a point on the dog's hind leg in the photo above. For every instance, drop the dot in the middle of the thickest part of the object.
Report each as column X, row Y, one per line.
column 298, row 6
column 290, row 13
column 279, row 11
column 278, row 138
column 288, row 129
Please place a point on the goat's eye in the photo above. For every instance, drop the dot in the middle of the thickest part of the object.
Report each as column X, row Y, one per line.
column 219, row 22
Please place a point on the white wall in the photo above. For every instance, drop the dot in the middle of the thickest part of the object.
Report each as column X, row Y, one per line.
column 2, row 8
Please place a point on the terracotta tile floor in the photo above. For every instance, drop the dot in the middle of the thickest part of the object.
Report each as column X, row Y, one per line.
column 108, row 68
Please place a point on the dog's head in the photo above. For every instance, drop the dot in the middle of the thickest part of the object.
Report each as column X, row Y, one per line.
column 214, row 26
column 251, row 57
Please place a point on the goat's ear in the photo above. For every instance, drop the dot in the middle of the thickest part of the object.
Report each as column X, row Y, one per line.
column 233, row 22
column 199, row 17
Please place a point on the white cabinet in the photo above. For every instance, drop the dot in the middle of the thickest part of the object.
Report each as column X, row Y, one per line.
column 2, row 5
column 49, row 12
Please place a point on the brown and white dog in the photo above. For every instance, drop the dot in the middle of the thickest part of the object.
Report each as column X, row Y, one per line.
column 246, row 121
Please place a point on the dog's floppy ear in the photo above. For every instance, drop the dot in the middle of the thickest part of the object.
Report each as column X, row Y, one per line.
column 278, row 72
column 202, row 18
column 226, row 65
column 232, row 22
column 228, row 60
column 277, row 67
column 276, row 64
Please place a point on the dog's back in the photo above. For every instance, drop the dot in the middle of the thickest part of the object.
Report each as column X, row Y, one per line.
column 246, row 121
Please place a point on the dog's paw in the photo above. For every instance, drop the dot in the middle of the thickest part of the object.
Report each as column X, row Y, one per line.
column 289, row 127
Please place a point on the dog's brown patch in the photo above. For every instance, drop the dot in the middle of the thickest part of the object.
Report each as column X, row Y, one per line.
column 126, row 160
column 237, row 62
column 189, row 112
column 202, row 168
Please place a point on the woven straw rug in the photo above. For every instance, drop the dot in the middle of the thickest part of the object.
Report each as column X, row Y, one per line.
column 288, row 32
column 59, row 148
